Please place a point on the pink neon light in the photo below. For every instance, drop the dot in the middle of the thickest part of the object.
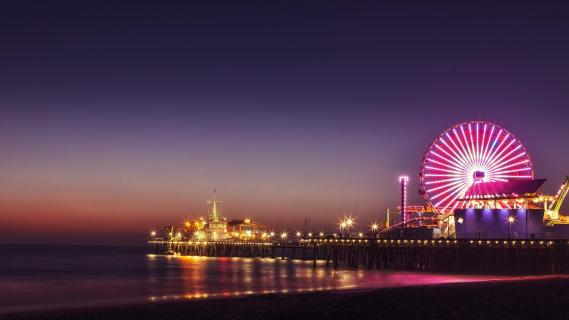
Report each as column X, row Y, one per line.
column 452, row 159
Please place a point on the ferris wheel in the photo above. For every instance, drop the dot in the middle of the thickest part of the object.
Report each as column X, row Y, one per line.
column 468, row 153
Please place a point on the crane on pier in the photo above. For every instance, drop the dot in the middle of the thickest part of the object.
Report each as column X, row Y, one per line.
column 552, row 211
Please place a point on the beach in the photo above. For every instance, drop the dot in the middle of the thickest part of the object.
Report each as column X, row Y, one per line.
column 524, row 299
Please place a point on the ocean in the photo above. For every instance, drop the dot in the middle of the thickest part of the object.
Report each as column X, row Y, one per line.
column 46, row 277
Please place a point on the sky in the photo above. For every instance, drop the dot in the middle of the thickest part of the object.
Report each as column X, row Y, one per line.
column 121, row 117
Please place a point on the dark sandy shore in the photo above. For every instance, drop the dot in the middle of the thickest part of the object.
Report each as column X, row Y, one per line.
column 525, row 299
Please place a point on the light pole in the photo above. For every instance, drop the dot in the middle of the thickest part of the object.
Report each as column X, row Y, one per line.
column 342, row 227
column 349, row 222
column 374, row 226
column 346, row 223
column 526, row 214
column 511, row 220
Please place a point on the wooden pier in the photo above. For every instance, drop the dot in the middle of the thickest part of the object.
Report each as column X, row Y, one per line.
column 449, row 256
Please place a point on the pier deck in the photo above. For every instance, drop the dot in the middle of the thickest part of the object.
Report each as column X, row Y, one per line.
column 455, row 256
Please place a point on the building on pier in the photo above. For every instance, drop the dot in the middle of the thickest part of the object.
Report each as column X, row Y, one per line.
column 532, row 215
column 216, row 225
column 247, row 229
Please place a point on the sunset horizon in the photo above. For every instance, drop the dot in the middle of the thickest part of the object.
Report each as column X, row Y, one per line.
column 284, row 159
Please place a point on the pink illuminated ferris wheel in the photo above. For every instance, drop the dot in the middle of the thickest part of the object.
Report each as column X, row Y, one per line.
column 469, row 153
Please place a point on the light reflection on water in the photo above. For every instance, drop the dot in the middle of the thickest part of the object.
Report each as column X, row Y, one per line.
column 190, row 277
column 193, row 277
column 48, row 277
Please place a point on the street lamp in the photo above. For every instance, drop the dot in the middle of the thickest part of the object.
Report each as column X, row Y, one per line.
column 346, row 223
column 342, row 227
column 284, row 235
column 374, row 226
column 511, row 220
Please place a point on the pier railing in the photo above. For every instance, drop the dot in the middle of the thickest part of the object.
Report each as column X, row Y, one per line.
column 455, row 256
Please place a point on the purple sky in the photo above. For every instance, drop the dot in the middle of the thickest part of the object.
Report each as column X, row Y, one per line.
column 116, row 119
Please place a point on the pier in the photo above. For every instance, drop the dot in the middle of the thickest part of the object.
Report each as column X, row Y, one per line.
column 449, row 256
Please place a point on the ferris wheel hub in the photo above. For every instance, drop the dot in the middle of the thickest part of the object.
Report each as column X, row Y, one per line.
column 479, row 175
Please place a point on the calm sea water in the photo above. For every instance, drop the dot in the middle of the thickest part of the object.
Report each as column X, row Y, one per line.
column 51, row 277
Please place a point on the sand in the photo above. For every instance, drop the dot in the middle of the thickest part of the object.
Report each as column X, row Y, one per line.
column 525, row 299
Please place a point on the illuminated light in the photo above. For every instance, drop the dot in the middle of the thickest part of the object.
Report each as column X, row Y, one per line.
column 511, row 219
column 455, row 156
column 310, row 234
column 374, row 226
column 298, row 234
column 284, row 235
column 451, row 160
column 460, row 220
column 403, row 180
column 272, row 234
column 360, row 235
column 152, row 233
column 467, row 153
